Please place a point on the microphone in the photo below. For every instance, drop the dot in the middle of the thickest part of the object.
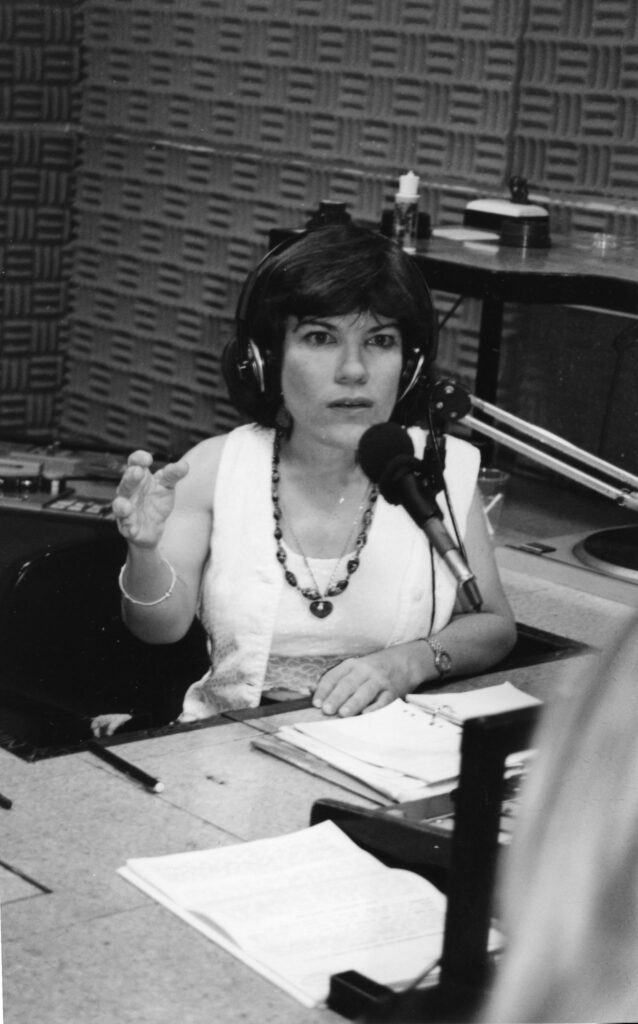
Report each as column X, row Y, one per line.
column 386, row 456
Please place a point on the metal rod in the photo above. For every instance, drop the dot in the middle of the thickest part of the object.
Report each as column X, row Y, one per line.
column 554, row 441
column 628, row 499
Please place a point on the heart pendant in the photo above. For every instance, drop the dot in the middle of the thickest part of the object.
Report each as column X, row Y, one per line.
column 321, row 608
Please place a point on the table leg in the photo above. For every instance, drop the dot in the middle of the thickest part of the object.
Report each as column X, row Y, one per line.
column 489, row 350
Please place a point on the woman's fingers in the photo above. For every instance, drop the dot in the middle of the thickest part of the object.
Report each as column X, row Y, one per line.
column 382, row 701
column 172, row 473
column 140, row 458
column 137, row 474
column 128, row 504
column 144, row 500
column 132, row 477
column 121, row 507
column 352, row 686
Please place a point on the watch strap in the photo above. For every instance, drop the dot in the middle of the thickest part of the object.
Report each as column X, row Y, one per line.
column 442, row 660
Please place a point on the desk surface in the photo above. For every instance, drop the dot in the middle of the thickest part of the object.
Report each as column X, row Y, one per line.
column 81, row 944
column 571, row 271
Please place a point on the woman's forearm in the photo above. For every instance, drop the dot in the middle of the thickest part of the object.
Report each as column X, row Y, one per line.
column 157, row 605
column 473, row 642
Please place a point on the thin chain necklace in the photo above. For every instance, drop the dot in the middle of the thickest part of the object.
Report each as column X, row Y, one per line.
column 319, row 605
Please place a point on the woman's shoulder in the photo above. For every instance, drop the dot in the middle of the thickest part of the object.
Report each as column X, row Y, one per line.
column 205, row 458
column 206, row 455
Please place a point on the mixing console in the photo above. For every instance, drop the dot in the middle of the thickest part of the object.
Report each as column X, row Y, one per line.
column 60, row 481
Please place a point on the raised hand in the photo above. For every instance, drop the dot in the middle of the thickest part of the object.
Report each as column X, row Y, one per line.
column 144, row 500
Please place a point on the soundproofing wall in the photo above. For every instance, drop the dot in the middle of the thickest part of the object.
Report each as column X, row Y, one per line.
column 40, row 72
column 208, row 124
column 203, row 124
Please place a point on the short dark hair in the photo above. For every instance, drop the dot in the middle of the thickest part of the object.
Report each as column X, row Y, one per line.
column 332, row 271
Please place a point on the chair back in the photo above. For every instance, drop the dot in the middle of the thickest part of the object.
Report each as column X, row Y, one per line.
column 63, row 643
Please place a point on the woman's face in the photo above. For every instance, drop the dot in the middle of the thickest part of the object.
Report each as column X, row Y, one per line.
column 340, row 374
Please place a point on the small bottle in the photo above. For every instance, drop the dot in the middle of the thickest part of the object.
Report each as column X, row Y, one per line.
column 406, row 208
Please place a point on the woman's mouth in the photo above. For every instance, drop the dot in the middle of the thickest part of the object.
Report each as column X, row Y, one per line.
column 350, row 403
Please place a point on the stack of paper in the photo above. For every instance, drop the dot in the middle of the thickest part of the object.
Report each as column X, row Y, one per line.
column 300, row 907
column 398, row 750
column 406, row 750
column 489, row 700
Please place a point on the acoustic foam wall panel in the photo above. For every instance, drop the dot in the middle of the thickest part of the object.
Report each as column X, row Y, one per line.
column 39, row 99
column 577, row 122
column 207, row 124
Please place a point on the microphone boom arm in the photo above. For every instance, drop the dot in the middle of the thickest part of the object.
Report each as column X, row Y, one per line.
column 624, row 496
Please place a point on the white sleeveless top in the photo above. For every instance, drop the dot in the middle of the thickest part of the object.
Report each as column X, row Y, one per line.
column 257, row 623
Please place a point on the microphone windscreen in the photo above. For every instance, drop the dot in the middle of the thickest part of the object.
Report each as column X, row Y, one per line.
column 384, row 449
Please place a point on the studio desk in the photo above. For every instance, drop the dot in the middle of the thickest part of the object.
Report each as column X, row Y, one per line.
column 80, row 944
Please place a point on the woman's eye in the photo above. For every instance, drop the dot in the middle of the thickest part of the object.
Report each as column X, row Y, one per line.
column 384, row 341
column 317, row 338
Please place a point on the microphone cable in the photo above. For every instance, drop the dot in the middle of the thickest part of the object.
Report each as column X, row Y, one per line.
column 447, row 400
column 437, row 445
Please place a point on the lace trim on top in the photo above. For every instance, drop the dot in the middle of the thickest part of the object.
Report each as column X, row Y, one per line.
column 297, row 676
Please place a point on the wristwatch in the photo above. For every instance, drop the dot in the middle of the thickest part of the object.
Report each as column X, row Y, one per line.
column 442, row 660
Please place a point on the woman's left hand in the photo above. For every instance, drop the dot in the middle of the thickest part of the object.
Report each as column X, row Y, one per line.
column 355, row 685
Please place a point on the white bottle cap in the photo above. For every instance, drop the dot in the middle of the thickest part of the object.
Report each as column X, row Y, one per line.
column 409, row 186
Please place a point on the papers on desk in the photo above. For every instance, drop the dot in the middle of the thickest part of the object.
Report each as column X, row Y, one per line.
column 458, row 707
column 300, row 907
column 398, row 750
column 405, row 751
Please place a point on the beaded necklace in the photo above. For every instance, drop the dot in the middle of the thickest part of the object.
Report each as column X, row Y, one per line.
column 319, row 605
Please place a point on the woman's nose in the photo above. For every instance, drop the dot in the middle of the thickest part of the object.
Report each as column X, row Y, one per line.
column 352, row 365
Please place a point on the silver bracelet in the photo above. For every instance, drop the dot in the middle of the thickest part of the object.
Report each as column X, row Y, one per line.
column 148, row 604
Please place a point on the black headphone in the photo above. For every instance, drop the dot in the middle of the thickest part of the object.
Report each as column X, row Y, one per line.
column 251, row 373
column 242, row 356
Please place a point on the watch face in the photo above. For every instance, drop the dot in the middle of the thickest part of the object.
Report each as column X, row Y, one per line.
column 444, row 663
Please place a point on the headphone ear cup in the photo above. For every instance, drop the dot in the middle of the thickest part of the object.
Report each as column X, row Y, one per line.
column 248, row 367
column 411, row 375
column 244, row 365
column 242, row 383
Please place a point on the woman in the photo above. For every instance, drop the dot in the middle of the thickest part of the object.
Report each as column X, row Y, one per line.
column 305, row 579
column 570, row 886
